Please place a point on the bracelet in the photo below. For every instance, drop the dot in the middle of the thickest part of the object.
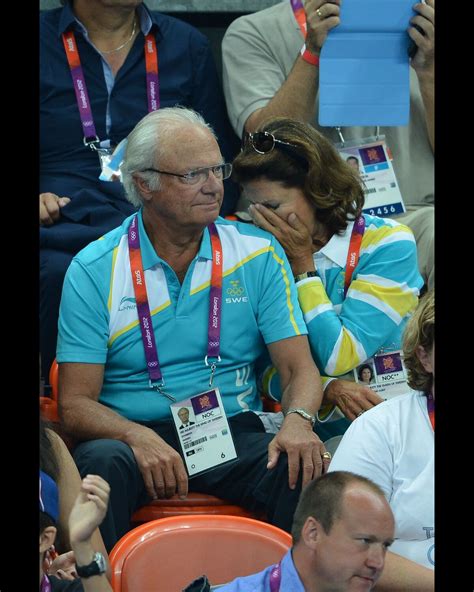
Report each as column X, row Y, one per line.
column 309, row 57
column 304, row 414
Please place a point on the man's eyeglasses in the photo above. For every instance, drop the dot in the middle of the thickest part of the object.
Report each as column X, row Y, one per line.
column 262, row 142
column 220, row 171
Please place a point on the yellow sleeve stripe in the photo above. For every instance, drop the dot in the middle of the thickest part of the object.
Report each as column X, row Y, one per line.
column 311, row 295
column 385, row 298
column 135, row 323
column 373, row 236
column 232, row 269
column 287, row 290
column 349, row 356
column 114, row 260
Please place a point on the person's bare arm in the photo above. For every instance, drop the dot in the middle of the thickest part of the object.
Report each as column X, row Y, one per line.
column 297, row 95
column 87, row 513
column 423, row 61
column 86, row 419
column 69, row 485
column 402, row 575
column 301, row 387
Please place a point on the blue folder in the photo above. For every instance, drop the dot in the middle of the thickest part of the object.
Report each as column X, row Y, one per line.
column 364, row 69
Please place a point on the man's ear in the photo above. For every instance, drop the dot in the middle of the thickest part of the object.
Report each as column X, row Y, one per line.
column 311, row 532
column 143, row 187
column 47, row 538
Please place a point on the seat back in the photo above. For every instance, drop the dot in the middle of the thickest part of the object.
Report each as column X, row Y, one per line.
column 49, row 405
column 168, row 554
column 195, row 503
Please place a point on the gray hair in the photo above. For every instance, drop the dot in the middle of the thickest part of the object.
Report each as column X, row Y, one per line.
column 146, row 144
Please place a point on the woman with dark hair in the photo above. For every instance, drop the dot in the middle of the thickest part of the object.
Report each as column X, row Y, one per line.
column 365, row 373
column 357, row 275
column 394, row 445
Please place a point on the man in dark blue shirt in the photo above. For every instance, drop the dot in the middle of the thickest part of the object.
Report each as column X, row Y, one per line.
column 75, row 206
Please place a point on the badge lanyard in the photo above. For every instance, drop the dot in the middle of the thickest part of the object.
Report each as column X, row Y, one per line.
column 156, row 380
column 45, row 584
column 82, row 98
column 354, row 251
column 275, row 578
column 431, row 409
column 300, row 16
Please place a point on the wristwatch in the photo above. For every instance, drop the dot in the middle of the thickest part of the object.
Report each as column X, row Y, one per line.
column 95, row 568
column 306, row 274
column 303, row 414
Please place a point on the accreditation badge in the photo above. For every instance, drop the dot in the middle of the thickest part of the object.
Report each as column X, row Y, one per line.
column 105, row 155
column 203, row 432
column 110, row 162
column 385, row 374
column 372, row 159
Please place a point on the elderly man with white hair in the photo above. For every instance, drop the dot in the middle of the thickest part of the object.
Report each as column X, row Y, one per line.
column 173, row 301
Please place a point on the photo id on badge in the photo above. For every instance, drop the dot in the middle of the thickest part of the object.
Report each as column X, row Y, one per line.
column 372, row 161
column 385, row 374
column 203, row 432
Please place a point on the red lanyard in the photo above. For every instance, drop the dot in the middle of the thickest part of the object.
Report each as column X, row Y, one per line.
column 143, row 308
column 431, row 409
column 354, row 251
column 300, row 15
column 152, row 81
column 80, row 88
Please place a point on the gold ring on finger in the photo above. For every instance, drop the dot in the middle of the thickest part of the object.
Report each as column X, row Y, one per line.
column 327, row 455
column 319, row 13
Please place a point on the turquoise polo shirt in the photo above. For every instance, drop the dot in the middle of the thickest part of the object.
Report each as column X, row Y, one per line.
column 98, row 321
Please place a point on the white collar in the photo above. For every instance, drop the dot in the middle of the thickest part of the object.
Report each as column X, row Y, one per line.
column 337, row 248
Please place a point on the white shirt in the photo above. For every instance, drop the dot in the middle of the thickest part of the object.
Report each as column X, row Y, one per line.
column 393, row 445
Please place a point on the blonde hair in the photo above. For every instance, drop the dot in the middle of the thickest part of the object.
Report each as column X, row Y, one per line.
column 419, row 331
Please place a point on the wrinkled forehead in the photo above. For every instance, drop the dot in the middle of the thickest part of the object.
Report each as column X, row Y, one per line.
column 189, row 147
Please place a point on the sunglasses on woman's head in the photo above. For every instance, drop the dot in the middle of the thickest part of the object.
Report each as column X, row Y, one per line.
column 265, row 142
column 262, row 142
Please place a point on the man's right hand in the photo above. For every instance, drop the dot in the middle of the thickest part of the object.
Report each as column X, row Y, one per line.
column 162, row 468
column 50, row 205
column 321, row 17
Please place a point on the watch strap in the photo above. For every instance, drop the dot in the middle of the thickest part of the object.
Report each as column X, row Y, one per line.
column 306, row 274
column 95, row 568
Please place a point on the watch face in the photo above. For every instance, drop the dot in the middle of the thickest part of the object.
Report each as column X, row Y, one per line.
column 95, row 568
column 99, row 558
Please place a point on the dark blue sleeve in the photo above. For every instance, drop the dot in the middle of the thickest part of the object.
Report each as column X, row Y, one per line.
column 209, row 101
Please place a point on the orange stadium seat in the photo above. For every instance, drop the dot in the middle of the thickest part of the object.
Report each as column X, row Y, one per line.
column 49, row 405
column 168, row 554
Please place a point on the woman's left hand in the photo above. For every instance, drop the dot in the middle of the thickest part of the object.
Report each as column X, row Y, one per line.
column 292, row 234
